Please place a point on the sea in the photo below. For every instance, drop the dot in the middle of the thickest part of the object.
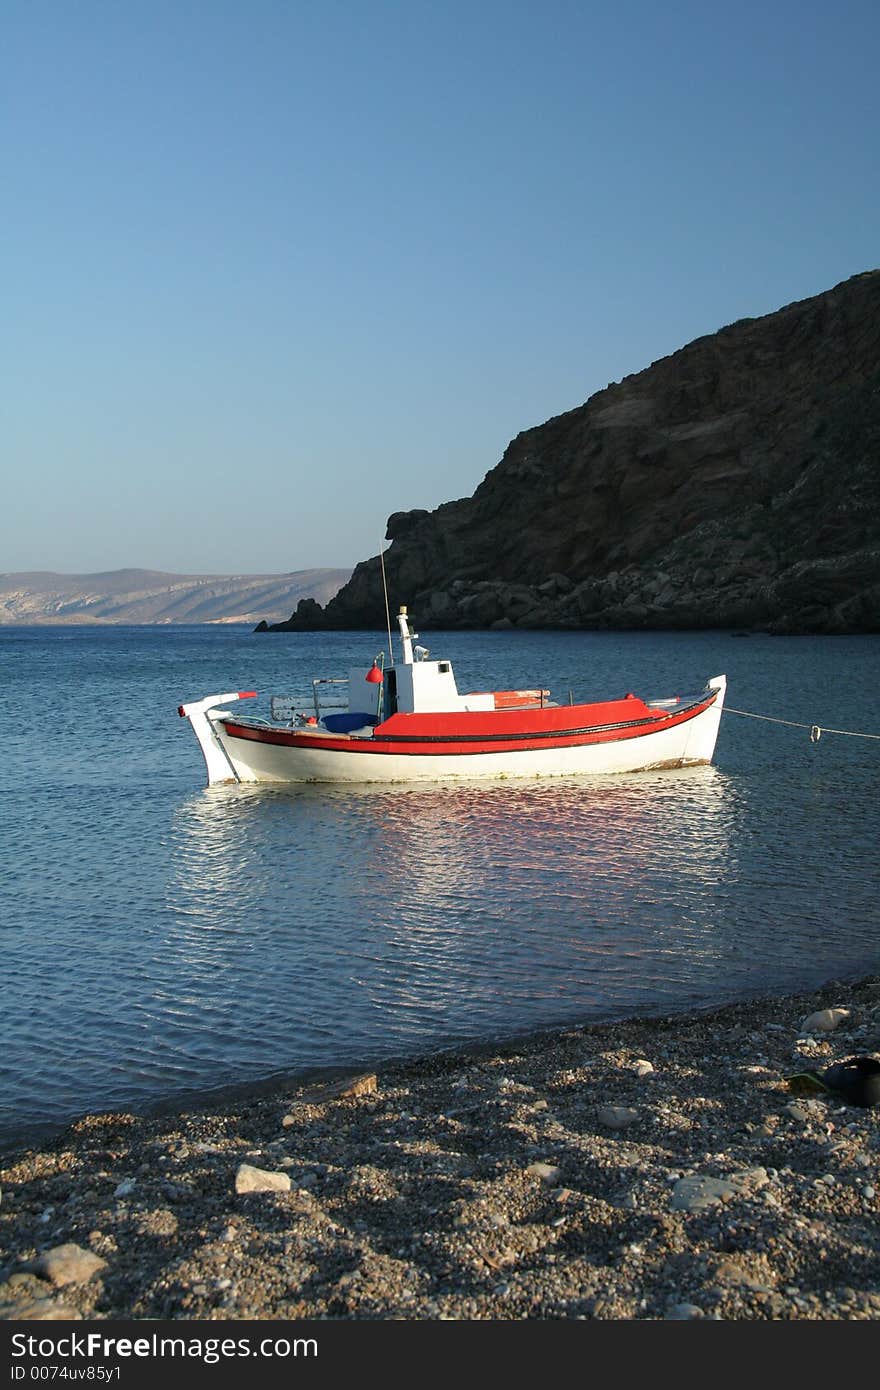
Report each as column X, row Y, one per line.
column 161, row 940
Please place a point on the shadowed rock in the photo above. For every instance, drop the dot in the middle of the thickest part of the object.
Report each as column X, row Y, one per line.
column 734, row 483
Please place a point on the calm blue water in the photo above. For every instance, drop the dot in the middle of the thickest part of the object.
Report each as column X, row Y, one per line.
column 157, row 937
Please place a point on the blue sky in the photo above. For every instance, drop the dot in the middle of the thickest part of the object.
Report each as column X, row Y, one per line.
column 271, row 270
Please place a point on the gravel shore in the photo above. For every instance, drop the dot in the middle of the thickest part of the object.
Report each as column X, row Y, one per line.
column 646, row 1169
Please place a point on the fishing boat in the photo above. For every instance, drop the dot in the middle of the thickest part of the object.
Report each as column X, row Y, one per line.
column 408, row 722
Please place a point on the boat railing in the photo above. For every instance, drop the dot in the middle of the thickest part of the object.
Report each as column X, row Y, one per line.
column 287, row 709
column 321, row 706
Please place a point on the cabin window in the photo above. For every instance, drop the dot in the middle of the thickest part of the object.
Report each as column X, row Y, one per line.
column 443, row 666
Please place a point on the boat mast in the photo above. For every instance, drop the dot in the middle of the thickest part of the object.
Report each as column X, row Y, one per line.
column 406, row 637
column 387, row 610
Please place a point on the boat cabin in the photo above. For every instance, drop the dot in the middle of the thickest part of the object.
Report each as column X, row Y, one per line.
column 418, row 685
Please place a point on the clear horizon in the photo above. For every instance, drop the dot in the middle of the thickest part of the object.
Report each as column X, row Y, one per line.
column 271, row 273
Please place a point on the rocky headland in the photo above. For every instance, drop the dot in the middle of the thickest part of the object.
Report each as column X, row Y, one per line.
column 735, row 483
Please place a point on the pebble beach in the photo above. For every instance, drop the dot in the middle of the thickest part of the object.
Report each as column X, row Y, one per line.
column 648, row 1169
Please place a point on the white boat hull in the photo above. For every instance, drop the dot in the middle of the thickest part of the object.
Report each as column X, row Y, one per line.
column 247, row 759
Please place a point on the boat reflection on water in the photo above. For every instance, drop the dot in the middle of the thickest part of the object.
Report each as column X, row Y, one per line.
column 576, row 828
column 329, row 925
column 575, row 898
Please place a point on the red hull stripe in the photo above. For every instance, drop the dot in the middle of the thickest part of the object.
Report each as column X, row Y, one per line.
column 532, row 736
column 452, row 744
column 553, row 720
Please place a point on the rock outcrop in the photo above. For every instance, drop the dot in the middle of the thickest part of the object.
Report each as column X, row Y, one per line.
column 735, row 483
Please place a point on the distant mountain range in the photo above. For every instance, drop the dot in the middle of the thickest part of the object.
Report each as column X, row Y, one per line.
column 149, row 596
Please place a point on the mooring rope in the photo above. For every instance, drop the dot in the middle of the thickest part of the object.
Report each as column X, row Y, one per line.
column 816, row 730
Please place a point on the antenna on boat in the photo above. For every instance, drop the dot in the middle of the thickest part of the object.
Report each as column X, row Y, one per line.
column 387, row 610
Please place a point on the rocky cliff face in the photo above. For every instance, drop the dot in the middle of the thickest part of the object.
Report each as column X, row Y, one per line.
column 735, row 483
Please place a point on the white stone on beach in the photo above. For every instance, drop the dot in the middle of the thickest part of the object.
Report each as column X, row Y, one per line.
column 683, row 1312
column 547, row 1172
column 755, row 1178
column 643, row 1067
column 39, row 1310
column 824, row 1021
column 250, row 1179
column 365, row 1084
column 700, row 1193
column 731, row 1272
column 67, row 1264
column 616, row 1116
column 799, row 1112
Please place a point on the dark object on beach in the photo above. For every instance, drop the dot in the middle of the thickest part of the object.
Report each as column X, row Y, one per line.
column 856, row 1081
